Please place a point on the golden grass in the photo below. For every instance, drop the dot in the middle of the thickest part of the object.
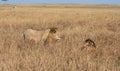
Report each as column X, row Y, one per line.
column 77, row 22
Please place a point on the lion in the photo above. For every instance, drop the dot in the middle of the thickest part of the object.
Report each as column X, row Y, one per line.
column 89, row 45
column 46, row 36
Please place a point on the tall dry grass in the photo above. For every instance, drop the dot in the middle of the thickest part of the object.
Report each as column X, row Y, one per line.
column 77, row 24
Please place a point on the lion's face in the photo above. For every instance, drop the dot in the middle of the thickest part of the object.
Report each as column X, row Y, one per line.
column 54, row 35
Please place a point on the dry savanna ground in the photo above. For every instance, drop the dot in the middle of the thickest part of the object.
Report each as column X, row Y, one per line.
column 77, row 22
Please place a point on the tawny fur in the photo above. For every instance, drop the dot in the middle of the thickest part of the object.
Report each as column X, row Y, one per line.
column 89, row 45
column 35, row 35
column 47, row 35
